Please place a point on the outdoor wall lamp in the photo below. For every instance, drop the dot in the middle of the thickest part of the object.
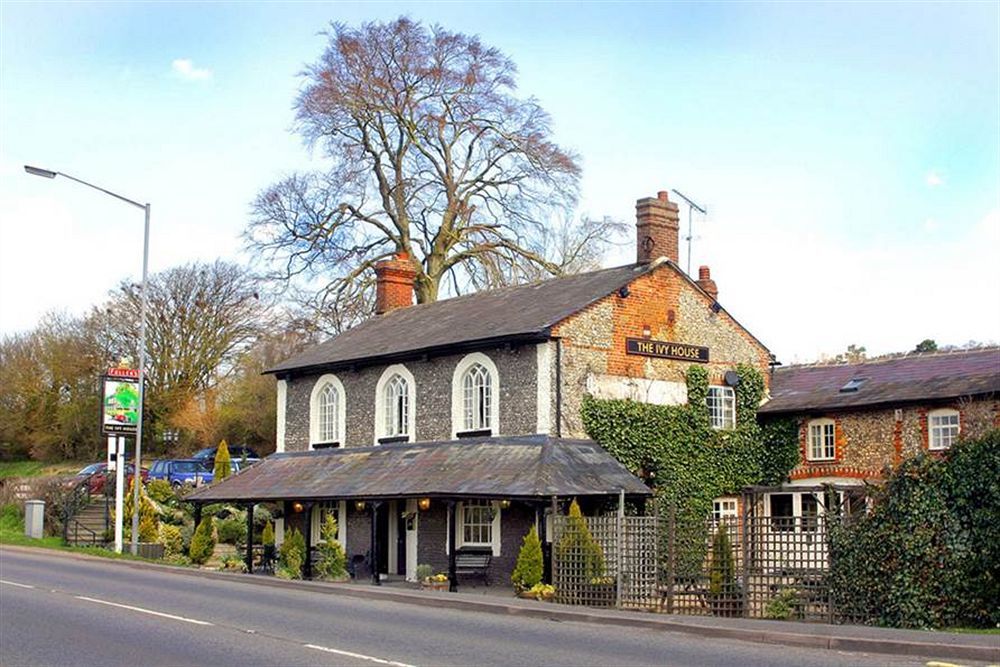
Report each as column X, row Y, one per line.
column 359, row 505
column 504, row 504
column 424, row 504
column 647, row 331
column 297, row 507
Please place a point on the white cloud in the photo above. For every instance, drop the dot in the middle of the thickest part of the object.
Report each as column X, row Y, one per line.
column 930, row 225
column 185, row 69
column 934, row 179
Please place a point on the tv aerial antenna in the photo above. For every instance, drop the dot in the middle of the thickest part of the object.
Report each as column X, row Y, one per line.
column 691, row 207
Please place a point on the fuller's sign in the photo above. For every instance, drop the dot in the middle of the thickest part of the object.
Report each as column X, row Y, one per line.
column 120, row 404
column 666, row 350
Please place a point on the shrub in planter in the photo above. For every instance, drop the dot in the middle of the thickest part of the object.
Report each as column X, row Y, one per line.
column 332, row 564
column 724, row 593
column 291, row 555
column 203, row 541
column 171, row 539
column 424, row 572
column 149, row 523
column 528, row 570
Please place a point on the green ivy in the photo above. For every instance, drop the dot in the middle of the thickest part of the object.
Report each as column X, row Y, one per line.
column 689, row 463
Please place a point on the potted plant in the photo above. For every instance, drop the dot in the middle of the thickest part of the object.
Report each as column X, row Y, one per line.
column 430, row 581
column 528, row 569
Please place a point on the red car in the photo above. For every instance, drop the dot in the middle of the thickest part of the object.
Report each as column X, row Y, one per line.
column 97, row 476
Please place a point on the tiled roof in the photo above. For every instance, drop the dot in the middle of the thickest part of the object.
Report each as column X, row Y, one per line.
column 525, row 311
column 924, row 377
column 536, row 466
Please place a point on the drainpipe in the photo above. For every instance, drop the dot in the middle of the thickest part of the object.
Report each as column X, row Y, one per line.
column 558, row 387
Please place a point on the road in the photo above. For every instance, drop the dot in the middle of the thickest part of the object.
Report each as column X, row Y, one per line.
column 56, row 610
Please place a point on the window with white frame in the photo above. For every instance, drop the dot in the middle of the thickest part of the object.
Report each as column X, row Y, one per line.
column 725, row 512
column 944, row 426
column 822, row 441
column 326, row 413
column 396, row 406
column 477, row 390
column 722, row 407
column 476, row 523
column 320, row 512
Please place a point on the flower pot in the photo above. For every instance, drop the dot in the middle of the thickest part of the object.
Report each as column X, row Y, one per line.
column 434, row 585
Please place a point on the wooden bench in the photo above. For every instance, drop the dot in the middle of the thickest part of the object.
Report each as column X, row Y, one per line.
column 474, row 563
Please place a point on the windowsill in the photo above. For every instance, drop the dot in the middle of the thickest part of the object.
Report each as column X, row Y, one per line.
column 821, row 461
column 393, row 439
column 483, row 432
column 325, row 445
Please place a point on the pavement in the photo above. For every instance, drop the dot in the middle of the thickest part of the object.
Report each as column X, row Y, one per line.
column 51, row 603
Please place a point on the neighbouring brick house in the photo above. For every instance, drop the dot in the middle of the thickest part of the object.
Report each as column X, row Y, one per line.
column 854, row 420
column 467, row 380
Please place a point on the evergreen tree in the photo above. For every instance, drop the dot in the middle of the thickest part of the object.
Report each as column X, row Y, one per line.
column 528, row 570
column 222, row 462
column 203, row 541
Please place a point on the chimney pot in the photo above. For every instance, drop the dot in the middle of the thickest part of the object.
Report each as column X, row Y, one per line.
column 706, row 283
column 394, row 283
column 657, row 225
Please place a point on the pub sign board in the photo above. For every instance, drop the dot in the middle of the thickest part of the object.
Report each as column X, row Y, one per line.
column 664, row 349
column 120, row 402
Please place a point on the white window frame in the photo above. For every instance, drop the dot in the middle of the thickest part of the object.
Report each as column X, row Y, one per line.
column 314, row 410
column 721, row 410
column 494, row 542
column 318, row 510
column 726, row 512
column 458, row 412
column 827, row 429
column 800, row 522
column 941, row 436
column 381, row 407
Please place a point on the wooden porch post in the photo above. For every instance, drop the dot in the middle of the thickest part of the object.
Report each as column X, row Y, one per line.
column 376, row 579
column 197, row 515
column 307, row 566
column 452, row 569
column 249, row 557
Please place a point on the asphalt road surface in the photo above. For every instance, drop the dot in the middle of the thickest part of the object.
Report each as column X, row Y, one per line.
column 56, row 610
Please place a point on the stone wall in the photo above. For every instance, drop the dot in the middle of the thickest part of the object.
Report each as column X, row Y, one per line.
column 433, row 377
column 673, row 309
column 868, row 440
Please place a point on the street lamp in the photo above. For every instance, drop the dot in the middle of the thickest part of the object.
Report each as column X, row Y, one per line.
column 137, row 474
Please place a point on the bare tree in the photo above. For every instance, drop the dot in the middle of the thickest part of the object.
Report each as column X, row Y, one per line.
column 431, row 153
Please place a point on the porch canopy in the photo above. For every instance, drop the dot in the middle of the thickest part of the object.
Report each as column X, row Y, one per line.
column 518, row 467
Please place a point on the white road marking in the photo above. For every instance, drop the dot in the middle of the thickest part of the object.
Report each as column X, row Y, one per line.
column 14, row 583
column 359, row 656
column 143, row 611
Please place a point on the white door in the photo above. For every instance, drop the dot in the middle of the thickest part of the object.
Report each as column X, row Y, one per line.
column 411, row 539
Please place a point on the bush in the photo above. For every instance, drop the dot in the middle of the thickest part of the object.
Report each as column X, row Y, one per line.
column 222, row 462
column 232, row 531
column 267, row 537
column 577, row 545
column 291, row 555
column 161, row 491
column 528, row 570
column 928, row 553
column 149, row 522
column 203, row 541
column 424, row 572
column 171, row 539
column 782, row 606
column 723, row 591
column 332, row 561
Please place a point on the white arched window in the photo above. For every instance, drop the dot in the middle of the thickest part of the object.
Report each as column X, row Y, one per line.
column 475, row 396
column 394, row 405
column 326, row 413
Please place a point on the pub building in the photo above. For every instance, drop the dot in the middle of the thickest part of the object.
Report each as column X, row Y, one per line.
column 437, row 430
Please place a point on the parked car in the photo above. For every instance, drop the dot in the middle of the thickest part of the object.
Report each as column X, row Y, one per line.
column 236, row 453
column 182, row 471
column 97, row 475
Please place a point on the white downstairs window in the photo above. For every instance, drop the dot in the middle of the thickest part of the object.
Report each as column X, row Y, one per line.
column 943, row 426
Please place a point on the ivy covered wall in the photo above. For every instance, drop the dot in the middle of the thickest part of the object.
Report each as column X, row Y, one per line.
column 686, row 461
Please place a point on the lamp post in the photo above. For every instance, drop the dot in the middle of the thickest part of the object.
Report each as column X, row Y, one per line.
column 46, row 173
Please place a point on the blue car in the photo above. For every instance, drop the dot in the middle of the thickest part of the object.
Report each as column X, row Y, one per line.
column 181, row 471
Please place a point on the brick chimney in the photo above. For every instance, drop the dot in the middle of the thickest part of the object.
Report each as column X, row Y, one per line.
column 706, row 283
column 394, row 283
column 656, row 224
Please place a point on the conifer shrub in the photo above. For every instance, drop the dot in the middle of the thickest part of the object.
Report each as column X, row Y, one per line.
column 578, row 546
column 332, row 561
column 171, row 539
column 222, row 462
column 723, row 591
column 528, row 570
column 149, row 522
column 267, row 536
column 291, row 555
column 203, row 541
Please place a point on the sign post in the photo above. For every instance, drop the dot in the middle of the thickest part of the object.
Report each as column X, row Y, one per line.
column 119, row 418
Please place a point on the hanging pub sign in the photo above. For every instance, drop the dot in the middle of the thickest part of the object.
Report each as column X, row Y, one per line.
column 664, row 349
column 120, row 402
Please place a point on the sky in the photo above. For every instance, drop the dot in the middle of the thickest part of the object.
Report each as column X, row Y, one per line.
column 848, row 154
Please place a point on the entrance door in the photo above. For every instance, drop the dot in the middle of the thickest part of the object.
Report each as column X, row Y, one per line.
column 382, row 537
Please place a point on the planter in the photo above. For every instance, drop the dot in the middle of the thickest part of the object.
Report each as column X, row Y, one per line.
column 150, row 550
column 434, row 585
